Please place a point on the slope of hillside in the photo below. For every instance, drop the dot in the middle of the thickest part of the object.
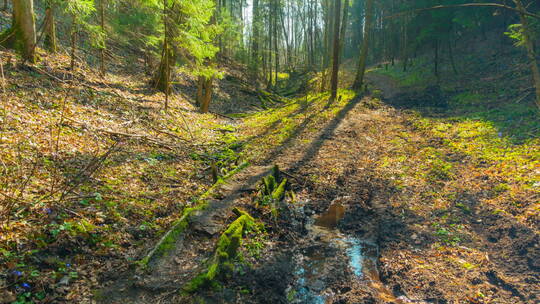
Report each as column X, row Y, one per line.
column 93, row 168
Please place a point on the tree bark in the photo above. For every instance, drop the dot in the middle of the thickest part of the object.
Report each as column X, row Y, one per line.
column 436, row 59
column 255, row 36
column 162, row 78
column 200, row 91
column 276, row 42
column 102, row 24
column 335, row 61
column 22, row 34
column 205, row 105
column 50, row 41
column 359, row 80
column 73, row 43
column 344, row 24
column 326, row 49
column 5, row 8
column 451, row 55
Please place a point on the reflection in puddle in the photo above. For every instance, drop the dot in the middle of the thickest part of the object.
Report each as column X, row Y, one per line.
column 331, row 217
column 317, row 262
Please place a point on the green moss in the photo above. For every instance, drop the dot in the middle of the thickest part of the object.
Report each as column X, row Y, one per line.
column 226, row 251
column 168, row 241
column 279, row 192
column 269, row 184
column 222, row 180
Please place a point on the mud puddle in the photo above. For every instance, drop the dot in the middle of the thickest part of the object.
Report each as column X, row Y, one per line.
column 334, row 261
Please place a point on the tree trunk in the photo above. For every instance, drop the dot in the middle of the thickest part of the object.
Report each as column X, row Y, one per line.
column 200, row 91
column 205, row 105
column 276, row 42
column 50, row 41
column 359, row 80
column 255, row 36
column 451, row 55
column 326, row 50
column 168, row 59
column 344, row 24
column 162, row 78
column 5, row 8
column 335, row 61
column 22, row 34
column 436, row 59
column 102, row 24
column 529, row 44
column 73, row 43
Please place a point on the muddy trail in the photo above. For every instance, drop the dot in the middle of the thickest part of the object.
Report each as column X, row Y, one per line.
column 338, row 235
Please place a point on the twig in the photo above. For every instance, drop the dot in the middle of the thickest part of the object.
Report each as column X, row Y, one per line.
column 170, row 134
column 92, row 167
column 223, row 115
column 187, row 126
column 524, row 96
column 2, row 74
column 292, row 176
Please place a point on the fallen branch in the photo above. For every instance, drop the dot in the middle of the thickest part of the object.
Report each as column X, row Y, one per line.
column 223, row 115
column 147, row 138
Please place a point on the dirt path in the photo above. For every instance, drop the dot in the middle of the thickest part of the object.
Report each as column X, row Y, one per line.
column 354, row 233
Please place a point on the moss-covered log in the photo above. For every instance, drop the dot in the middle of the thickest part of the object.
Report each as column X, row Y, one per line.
column 226, row 252
column 167, row 242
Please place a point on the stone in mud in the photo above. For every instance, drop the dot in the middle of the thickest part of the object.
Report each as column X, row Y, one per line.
column 208, row 222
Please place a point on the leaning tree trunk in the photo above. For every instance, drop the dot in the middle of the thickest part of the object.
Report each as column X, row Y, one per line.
column 50, row 41
column 335, row 61
column 359, row 80
column 529, row 44
column 22, row 34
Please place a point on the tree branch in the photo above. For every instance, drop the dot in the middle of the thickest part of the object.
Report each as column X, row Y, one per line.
column 492, row 5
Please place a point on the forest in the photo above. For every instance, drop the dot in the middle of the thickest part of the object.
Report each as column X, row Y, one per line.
column 270, row 151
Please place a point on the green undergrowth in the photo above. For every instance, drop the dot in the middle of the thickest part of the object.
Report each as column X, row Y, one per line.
column 227, row 251
column 503, row 103
column 482, row 141
column 417, row 75
column 269, row 130
column 485, row 142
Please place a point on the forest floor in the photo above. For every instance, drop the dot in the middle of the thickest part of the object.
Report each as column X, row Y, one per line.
column 389, row 206
column 383, row 203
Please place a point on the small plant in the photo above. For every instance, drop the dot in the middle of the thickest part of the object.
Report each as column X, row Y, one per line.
column 440, row 170
column 448, row 235
column 501, row 188
column 272, row 191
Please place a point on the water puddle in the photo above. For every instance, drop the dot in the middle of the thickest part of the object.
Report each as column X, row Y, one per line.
column 331, row 256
